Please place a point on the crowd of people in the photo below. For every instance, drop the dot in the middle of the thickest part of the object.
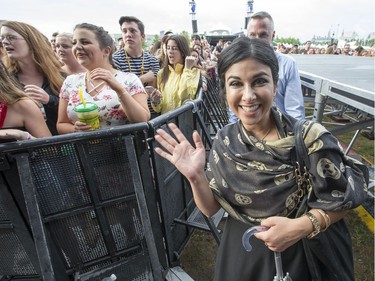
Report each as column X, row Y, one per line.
column 166, row 74
column 251, row 172
column 332, row 49
column 128, row 84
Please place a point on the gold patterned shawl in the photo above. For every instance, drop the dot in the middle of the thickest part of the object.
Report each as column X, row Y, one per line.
column 253, row 180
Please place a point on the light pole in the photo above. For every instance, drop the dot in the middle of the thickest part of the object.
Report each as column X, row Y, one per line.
column 193, row 6
column 249, row 11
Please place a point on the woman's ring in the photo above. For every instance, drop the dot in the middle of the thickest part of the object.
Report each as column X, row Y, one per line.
column 265, row 243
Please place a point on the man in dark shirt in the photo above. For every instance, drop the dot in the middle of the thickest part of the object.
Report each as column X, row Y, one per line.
column 132, row 58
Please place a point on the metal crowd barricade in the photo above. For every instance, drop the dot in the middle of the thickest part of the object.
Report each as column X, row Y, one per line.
column 17, row 251
column 177, row 208
column 216, row 105
column 86, row 207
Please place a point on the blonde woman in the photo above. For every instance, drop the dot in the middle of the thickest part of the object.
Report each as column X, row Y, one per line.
column 30, row 59
column 64, row 45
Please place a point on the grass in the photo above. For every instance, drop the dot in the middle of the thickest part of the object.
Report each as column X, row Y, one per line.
column 362, row 146
column 363, row 247
column 198, row 258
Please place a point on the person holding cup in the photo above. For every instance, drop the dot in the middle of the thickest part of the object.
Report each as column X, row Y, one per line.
column 120, row 97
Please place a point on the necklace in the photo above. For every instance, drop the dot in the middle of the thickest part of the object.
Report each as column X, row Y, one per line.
column 94, row 88
column 268, row 132
column 278, row 134
column 127, row 58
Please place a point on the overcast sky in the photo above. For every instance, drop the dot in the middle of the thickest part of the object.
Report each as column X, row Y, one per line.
column 293, row 18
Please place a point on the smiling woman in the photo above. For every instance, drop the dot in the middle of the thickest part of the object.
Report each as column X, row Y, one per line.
column 251, row 174
column 120, row 96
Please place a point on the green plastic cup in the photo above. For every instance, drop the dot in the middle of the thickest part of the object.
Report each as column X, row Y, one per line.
column 88, row 113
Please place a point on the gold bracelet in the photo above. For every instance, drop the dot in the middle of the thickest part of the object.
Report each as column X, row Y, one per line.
column 326, row 218
column 315, row 223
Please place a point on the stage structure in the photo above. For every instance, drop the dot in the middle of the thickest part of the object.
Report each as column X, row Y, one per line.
column 193, row 6
column 250, row 6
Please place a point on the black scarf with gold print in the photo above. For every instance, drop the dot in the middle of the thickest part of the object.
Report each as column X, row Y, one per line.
column 253, row 180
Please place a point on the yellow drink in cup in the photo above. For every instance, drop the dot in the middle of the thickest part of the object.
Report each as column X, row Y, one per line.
column 88, row 113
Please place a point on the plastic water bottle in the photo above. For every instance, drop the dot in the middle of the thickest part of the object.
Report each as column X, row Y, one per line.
column 110, row 278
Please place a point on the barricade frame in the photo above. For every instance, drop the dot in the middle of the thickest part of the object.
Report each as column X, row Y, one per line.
column 164, row 249
column 20, row 152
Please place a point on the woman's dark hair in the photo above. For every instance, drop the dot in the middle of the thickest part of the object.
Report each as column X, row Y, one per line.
column 244, row 48
column 105, row 40
column 184, row 49
column 199, row 62
column 195, row 36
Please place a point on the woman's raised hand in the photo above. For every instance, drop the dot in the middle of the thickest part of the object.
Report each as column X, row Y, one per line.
column 190, row 62
column 154, row 94
column 187, row 159
column 108, row 77
column 37, row 93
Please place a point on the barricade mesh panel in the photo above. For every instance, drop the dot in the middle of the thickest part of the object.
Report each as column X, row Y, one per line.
column 3, row 215
column 125, row 223
column 136, row 268
column 174, row 196
column 59, row 179
column 111, row 167
column 16, row 261
column 79, row 238
column 86, row 194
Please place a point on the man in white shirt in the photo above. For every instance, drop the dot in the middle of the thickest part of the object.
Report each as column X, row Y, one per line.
column 289, row 97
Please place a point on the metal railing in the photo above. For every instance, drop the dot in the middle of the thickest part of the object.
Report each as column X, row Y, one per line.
column 86, row 205
column 330, row 98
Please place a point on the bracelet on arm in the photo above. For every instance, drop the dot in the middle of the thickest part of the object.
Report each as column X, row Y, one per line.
column 327, row 219
column 315, row 223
